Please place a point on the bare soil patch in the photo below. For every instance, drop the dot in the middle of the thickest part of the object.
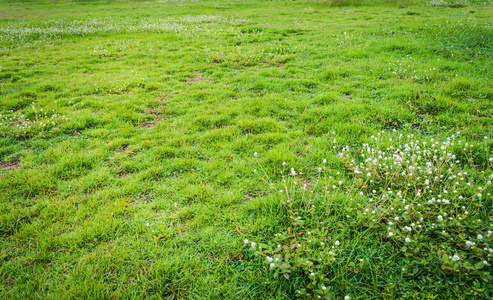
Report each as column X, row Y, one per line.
column 195, row 79
column 10, row 166
column 148, row 125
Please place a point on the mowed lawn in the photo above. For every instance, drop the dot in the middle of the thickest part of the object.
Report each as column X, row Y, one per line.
column 145, row 145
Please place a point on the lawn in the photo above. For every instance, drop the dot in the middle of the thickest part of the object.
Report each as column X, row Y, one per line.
column 246, row 149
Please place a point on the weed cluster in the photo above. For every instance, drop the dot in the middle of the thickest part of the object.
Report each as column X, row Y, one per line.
column 30, row 122
column 431, row 200
column 454, row 3
column 54, row 30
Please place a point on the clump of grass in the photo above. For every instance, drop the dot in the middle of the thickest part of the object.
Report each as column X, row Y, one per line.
column 428, row 201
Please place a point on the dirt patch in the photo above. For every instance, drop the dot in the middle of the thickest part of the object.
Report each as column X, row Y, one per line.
column 195, row 79
column 153, row 111
column 198, row 72
column 280, row 65
column 122, row 174
column 148, row 125
column 10, row 166
column 251, row 196
column 123, row 148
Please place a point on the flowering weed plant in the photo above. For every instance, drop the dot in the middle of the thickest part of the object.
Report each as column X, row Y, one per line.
column 429, row 201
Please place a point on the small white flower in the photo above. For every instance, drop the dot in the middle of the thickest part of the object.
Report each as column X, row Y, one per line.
column 347, row 297
column 390, row 234
column 469, row 243
column 255, row 154
column 440, row 218
column 272, row 265
column 253, row 244
column 246, row 241
column 337, row 243
column 293, row 172
column 283, row 163
column 456, row 257
column 270, row 259
column 408, row 240
column 369, row 174
column 324, row 161
column 480, row 237
column 324, row 288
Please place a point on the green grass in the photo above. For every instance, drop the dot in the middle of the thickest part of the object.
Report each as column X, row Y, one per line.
column 128, row 132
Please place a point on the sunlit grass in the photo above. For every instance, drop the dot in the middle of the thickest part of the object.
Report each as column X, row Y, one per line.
column 128, row 132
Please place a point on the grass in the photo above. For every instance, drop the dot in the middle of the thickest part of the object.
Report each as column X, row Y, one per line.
column 128, row 132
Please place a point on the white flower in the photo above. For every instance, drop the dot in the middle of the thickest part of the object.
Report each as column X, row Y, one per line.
column 480, row 237
column 390, row 234
column 337, row 243
column 369, row 174
column 347, row 297
column 283, row 163
column 255, row 154
column 479, row 196
column 324, row 288
column 269, row 259
column 408, row 240
column 293, row 172
column 253, row 244
column 440, row 218
column 272, row 265
column 456, row 257
column 246, row 241
column 469, row 243
column 324, row 161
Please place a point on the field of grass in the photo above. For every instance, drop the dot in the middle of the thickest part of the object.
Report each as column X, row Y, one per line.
column 246, row 149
